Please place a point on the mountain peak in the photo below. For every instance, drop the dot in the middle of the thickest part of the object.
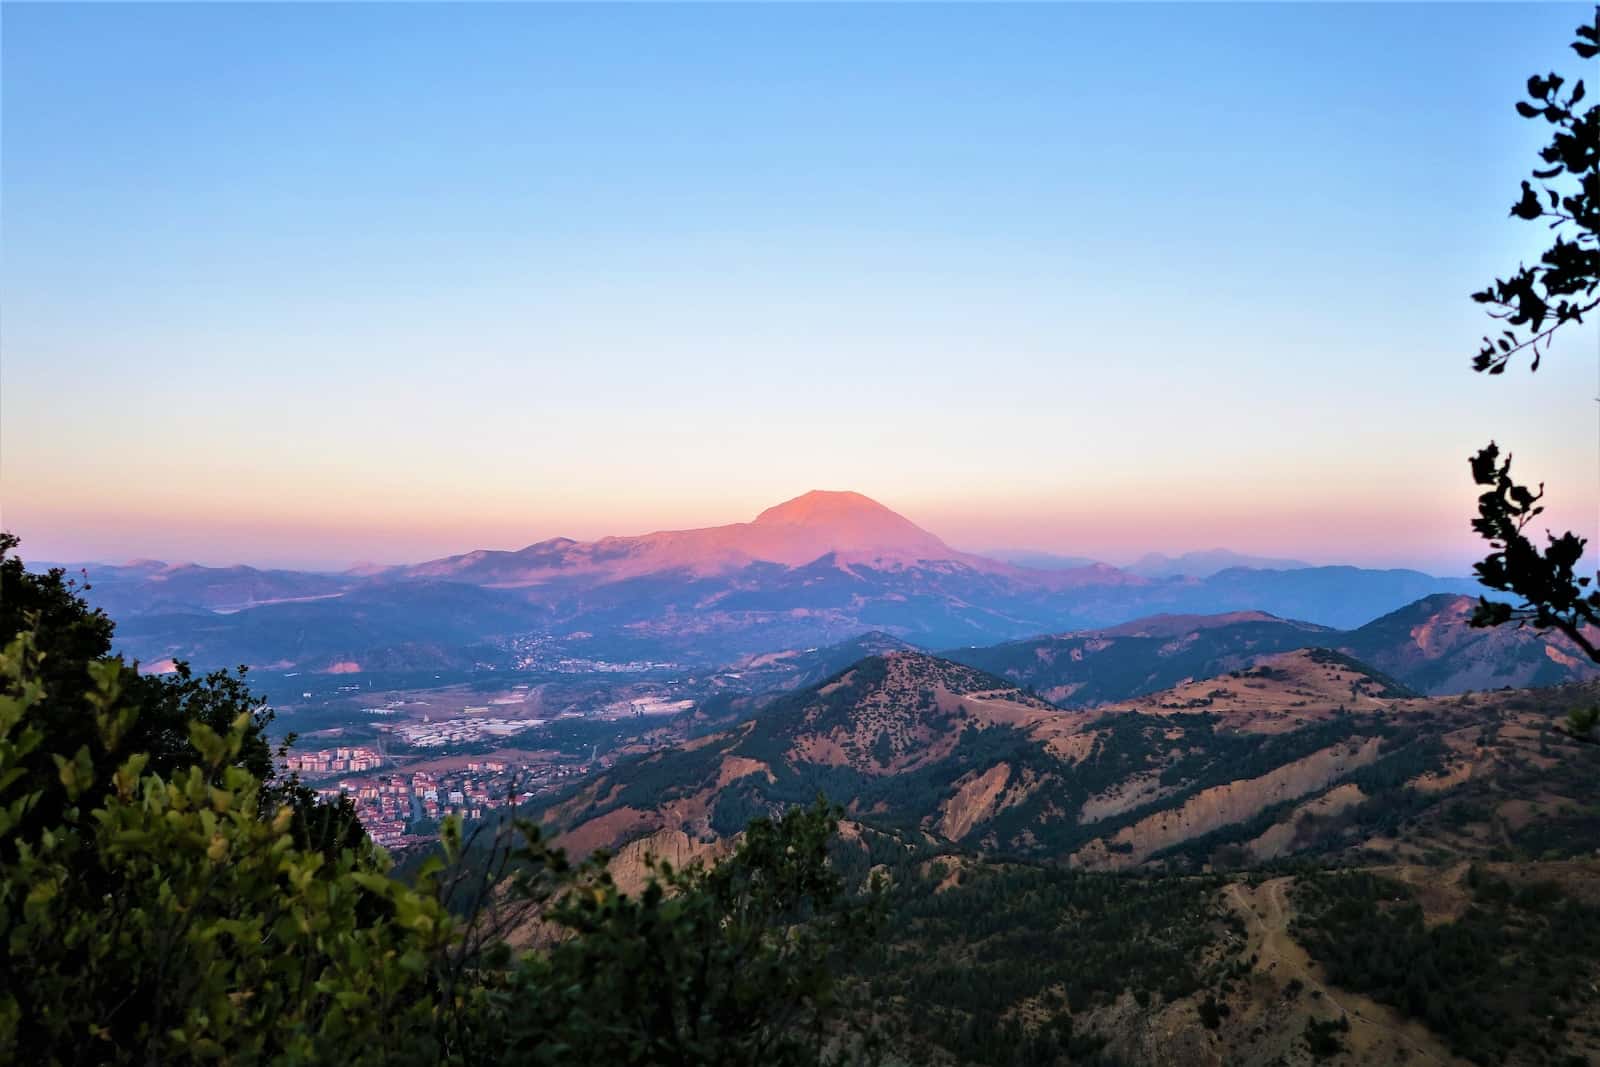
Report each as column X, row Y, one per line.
column 896, row 711
column 823, row 506
column 824, row 521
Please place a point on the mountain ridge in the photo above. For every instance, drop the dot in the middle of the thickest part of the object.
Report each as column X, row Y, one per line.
column 810, row 571
column 1304, row 750
column 1428, row 644
column 792, row 533
column 1205, row 563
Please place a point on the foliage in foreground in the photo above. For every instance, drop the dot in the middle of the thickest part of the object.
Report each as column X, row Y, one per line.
column 1536, row 302
column 161, row 904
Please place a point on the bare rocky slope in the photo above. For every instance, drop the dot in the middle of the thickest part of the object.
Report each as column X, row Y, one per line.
column 1307, row 750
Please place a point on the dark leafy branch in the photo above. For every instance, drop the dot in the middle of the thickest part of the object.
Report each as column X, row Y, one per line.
column 1560, row 289
column 1553, row 595
column 1535, row 303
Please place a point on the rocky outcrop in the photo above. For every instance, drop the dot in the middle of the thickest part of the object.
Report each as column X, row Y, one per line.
column 1281, row 837
column 1224, row 805
column 974, row 801
column 608, row 830
column 632, row 866
column 1133, row 792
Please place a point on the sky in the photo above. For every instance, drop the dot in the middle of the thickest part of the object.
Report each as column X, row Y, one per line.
column 304, row 285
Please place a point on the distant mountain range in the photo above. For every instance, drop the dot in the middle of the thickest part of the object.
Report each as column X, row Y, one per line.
column 1155, row 564
column 848, row 527
column 1041, row 561
column 1428, row 645
column 813, row 571
column 1205, row 564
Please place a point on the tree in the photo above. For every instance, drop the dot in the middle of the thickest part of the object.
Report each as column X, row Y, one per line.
column 70, row 637
column 735, row 964
column 1536, row 302
column 1581, row 722
column 162, row 903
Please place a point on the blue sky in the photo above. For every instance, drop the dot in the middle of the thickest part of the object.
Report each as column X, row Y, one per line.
column 309, row 284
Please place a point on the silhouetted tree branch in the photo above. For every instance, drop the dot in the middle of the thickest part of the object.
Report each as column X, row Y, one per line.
column 1562, row 285
column 1553, row 594
column 1536, row 302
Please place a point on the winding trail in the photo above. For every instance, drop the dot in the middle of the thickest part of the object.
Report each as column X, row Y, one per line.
column 1266, row 909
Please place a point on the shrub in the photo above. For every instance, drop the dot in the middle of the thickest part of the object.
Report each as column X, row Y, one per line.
column 171, row 903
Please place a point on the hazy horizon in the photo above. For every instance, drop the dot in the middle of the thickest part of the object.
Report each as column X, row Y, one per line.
column 306, row 286
column 334, row 565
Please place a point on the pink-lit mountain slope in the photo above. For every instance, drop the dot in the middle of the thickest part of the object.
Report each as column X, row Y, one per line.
column 849, row 527
column 814, row 571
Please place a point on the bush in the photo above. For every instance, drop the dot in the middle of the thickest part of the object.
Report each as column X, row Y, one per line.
column 166, row 903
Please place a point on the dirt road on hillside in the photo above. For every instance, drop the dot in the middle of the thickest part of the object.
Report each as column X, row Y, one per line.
column 1376, row 1031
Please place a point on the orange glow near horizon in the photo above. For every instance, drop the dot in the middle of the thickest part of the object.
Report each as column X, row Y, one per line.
column 333, row 526
column 272, row 298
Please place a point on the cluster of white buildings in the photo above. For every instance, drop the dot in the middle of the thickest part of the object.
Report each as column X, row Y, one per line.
column 647, row 706
column 334, row 761
column 464, row 730
column 392, row 805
